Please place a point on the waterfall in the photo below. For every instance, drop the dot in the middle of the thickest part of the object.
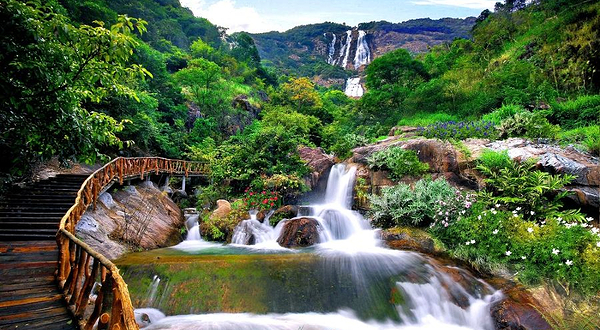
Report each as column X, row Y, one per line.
column 363, row 54
column 260, row 235
column 346, row 49
column 151, row 295
column 330, row 56
column 354, row 88
column 362, row 279
column 191, row 224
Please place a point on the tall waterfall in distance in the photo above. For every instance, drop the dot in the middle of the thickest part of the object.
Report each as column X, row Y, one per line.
column 363, row 53
column 330, row 56
column 346, row 48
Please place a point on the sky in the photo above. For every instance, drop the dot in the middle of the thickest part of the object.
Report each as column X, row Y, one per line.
column 280, row 15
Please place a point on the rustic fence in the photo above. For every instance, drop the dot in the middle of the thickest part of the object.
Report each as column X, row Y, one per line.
column 80, row 268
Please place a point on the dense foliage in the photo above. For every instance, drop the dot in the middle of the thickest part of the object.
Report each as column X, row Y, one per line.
column 398, row 161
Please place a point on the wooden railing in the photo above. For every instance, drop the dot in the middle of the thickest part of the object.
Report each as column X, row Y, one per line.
column 80, row 267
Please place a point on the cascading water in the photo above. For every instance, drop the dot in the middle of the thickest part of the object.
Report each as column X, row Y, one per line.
column 354, row 88
column 346, row 49
column 330, row 56
column 363, row 53
column 349, row 280
column 191, row 224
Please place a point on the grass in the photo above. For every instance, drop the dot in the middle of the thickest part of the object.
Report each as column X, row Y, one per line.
column 424, row 119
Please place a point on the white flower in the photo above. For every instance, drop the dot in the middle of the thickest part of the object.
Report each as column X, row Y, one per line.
column 472, row 241
column 523, row 257
column 494, row 211
column 532, row 212
column 530, row 230
column 508, row 253
column 555, row 251
column 441, row 213
column 495, row 231
column 519, row 208
column 479, row 217
column 514, row 211
column 568, row 262
column 498, row 205
column 589, row 219
column 595, row 230
column 468, row 243
column 515, row 215
column 598, row 244
column 584, row 225
column 559, row 219
column 463, row 211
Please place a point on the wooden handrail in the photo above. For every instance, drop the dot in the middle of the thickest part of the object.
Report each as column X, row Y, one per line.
column 80, row 267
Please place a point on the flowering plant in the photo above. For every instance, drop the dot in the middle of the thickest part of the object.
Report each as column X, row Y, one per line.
column 261, row 200
column 459, row 130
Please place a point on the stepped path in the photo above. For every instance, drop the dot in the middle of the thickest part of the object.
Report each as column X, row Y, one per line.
column 29, row 220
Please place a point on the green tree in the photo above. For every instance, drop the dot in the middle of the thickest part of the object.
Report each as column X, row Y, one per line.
column 50, row 67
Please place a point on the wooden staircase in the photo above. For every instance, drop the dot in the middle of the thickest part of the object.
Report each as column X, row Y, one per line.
column 29, row 220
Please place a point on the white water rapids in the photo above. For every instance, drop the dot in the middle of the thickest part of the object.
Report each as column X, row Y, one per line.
column 430, row 298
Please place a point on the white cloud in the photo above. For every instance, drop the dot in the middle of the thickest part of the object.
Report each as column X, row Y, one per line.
column 474, row 4
column 225, row 13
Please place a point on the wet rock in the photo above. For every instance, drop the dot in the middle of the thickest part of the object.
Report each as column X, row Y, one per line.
column 518, row 312
column 299, row 232
column 284, row 212
column 318, row 162
column 408, row 239
column 222, row 211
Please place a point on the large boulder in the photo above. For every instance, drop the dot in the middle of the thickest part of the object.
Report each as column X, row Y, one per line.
column 132, row 218
column 222, row 211
column 518, row 311
column 318, row 162
column 408, row 239
column 299, row 232
column 457, row 164
column 557, row 160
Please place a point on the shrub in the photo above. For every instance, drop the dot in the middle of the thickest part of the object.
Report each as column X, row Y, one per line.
column 261, row 200
column 400, row 205
column 490, row 237
column 506, row 111
column 424, row 119
column 583, row 111
column 221, row 229
column 459, row 130
column 343, row 146
column 398, row 161
column 528, row 124
column 519, row 186
column 494, row 160
column 287, row 187
column 588, row 137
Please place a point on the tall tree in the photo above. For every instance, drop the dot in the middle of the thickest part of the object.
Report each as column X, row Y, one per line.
column 50, row 67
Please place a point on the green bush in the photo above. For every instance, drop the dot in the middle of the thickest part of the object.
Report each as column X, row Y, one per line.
column 344, row 145
column 221, row 229
column 491, row 238
column 400, row 205
column 506, row 111
column 494, row 160
column 521, row 187
column 582, row 111
column 588, row 137
column 398, row 161
column 424, row 119
column 528, row 124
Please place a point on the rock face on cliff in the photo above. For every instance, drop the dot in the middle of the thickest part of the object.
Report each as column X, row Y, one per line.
column 318, row 162
column 136, row 217
column 457, row 166
column 299, row 232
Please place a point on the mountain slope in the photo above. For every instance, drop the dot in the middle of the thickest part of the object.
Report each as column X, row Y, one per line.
column 305, row 49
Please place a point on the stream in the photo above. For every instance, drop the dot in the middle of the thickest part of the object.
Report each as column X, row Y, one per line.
column 349, row 280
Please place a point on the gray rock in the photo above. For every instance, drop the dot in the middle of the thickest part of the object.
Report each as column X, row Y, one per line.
column 107, row 200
